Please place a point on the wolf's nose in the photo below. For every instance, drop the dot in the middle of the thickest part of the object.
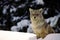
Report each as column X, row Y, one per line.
column 34, row 17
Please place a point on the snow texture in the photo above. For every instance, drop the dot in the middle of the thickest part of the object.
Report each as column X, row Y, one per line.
column 14, row 28
column 13, row 9
column 9, row 35
column 15, row 18
column 40, row 2
column 29, row 30
column 23, row 23
column 53, row 20
column 5, row 9
column 20, row 25
column 45, row 12
column 52, row 37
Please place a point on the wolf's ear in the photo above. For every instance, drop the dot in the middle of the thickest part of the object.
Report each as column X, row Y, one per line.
column 41, row 10
column 31, row 10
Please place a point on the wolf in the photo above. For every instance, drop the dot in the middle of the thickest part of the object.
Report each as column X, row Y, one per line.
column 39, row 26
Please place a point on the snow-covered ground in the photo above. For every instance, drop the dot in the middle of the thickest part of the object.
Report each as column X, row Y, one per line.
column 52, row 37
column 9, row 35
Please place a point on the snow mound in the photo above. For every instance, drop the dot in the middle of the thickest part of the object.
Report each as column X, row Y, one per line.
column 8, row 35
column 52, row 37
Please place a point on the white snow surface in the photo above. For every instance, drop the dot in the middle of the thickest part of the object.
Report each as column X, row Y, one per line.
column 52, row 37
column 9, row 35
column 55, row 36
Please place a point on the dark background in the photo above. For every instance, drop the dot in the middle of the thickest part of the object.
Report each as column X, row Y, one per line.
column 20, row 8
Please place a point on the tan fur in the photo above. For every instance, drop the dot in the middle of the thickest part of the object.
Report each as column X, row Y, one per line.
column 39, row 26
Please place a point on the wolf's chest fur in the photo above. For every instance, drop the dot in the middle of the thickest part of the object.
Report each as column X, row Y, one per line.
column 39, row 26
